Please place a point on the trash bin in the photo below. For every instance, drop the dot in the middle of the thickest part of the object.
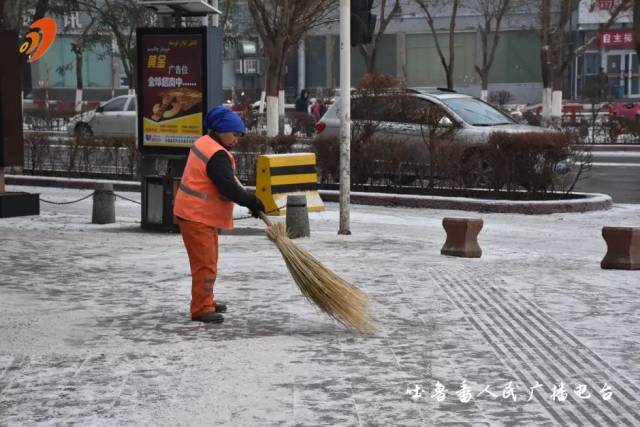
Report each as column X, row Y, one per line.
column 158, row 194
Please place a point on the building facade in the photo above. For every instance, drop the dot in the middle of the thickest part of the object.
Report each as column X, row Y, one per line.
column 612, row 52
column 408, row 51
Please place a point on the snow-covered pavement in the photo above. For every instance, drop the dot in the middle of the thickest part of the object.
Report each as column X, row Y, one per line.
column 94, row 326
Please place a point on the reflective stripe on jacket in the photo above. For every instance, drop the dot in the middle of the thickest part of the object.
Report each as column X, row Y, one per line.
column 197, row 198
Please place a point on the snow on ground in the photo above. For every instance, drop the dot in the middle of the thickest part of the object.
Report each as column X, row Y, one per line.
column 94, row 325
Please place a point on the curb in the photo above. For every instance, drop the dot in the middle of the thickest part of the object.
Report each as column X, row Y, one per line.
column 590, row 202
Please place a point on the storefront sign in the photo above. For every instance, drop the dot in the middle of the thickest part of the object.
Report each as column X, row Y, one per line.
column 616, row 38
column 171, row 86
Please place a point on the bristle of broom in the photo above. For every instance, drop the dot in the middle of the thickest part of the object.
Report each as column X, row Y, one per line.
column 333, row 295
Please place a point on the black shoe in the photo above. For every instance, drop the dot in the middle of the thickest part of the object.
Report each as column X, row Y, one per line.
column 220, row 307
column 210, row 317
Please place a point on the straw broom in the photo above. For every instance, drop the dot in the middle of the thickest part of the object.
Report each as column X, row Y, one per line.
column 330, row 293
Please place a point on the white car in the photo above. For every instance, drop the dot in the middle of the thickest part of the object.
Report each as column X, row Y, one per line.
column 115, row 117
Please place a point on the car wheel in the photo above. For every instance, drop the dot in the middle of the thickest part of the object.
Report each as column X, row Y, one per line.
column 478, row 171
column 82, row 130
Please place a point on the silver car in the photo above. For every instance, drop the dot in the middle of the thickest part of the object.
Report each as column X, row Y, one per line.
column 115, row 117
column 462, row 118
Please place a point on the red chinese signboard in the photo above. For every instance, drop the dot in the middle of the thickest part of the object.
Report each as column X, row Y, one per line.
column 605, row 4
column 616, row 38
column 172, row 89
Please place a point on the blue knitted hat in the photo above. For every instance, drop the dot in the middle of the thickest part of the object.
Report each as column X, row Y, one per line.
column 221, row 119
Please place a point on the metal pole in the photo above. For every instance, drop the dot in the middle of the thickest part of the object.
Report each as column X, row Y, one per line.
column 301, row 64
column 345, row 114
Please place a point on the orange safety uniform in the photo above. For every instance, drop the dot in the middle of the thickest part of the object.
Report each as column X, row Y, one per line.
column 201, row 210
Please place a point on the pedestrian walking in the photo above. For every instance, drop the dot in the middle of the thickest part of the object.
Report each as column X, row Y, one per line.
column 316, row 109
column 603, row 84
column 204, row 204
column 302, row 103
column 300, row 117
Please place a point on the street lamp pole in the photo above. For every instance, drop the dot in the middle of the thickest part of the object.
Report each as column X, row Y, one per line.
column 345, row 114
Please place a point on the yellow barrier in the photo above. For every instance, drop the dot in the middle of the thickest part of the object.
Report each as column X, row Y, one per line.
column 279, row 175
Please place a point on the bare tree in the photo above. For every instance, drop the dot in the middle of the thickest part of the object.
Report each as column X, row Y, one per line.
column 429, row 6
column 281, row 24
column 370, row 51
column 491, row 12
column 118, row 18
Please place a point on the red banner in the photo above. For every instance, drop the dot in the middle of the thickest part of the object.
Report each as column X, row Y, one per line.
column 616, row 38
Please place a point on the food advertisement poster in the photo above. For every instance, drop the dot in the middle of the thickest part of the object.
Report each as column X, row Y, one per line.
column 172, row 89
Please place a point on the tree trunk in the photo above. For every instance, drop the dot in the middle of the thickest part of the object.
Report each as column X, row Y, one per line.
column 281, row 107
column 272, row 116
column 273, row 86
column 544, row 59
column 547, row 94
column 556, row 95
column 484, row 83
column 370, row 62
column 449, row 71
column 77, row 50
column 452, row 27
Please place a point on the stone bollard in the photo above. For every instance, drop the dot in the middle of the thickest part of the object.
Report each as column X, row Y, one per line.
column 104, row 207
column 297, row 216
column 462, row 237
column 623, row 248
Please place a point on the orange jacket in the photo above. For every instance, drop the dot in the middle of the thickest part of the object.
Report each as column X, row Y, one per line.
column 198, row 199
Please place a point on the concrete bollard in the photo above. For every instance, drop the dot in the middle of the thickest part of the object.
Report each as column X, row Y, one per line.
column 462, row 237
column 623, row 248
column 297, row 216
column 104, row 206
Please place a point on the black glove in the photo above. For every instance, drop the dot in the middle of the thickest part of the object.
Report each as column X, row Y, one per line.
column 255, row 206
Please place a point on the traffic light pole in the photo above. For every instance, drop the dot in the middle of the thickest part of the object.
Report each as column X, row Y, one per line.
column 345, row 114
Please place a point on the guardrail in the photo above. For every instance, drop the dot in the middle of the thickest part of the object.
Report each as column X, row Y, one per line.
column 81, row 160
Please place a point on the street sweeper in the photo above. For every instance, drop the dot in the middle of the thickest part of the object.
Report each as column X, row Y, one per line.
column 204, row 203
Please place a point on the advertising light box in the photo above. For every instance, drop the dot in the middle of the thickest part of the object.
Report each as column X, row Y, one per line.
column 173, row 87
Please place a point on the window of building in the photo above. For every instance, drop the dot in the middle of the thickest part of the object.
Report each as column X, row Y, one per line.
column 591, row 64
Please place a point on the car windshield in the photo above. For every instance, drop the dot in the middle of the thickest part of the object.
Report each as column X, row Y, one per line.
column 476, row 112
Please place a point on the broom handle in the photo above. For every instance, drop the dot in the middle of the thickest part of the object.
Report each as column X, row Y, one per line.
column 262, row 214
column 266, row 219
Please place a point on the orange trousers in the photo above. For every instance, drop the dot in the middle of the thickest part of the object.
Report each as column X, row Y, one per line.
column 201, row 242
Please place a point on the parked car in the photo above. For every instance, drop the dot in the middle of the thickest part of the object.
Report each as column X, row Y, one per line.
column 115, row 117
column 468, row 120
column 628, row 110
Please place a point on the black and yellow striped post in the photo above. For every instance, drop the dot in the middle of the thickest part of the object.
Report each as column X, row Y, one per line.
column 279, row 175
